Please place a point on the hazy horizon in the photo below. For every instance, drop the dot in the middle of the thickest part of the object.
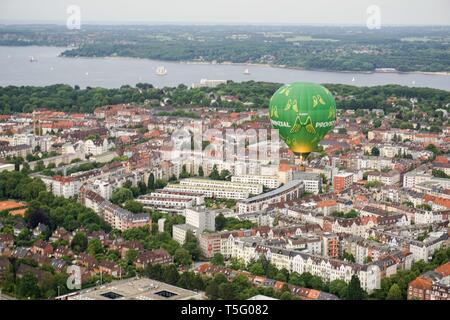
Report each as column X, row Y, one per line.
column 206, row 23
column 228, row 12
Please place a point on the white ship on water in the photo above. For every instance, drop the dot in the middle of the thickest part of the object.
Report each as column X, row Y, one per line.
column 161, row 71
column 32, row 59
column 246, row 72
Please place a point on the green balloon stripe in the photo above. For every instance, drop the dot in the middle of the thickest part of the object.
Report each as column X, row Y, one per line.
column 303, row 113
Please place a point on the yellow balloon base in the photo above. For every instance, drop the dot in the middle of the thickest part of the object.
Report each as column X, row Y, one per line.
column 302, row 157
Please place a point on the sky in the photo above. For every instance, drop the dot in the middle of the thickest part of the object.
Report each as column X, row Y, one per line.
column 329, row 12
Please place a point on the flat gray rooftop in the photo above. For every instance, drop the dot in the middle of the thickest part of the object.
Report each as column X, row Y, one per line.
column 136, row 289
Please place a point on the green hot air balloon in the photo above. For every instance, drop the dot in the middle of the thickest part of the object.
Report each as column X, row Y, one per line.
column 303, row 113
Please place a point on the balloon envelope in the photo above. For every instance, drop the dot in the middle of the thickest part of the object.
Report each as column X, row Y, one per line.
column 303, row 113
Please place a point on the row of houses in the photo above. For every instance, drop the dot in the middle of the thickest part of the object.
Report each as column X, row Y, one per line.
column 329, row 269
column 115, row 216
column 260, row 281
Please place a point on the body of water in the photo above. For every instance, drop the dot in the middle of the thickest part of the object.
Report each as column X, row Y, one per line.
column 48, row 68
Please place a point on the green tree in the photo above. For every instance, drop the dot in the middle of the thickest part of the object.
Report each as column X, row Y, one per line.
column 182, row 257
column 212, row 290
column 394, row 293
column 121, row 195
column 79, row 242
column 131, row 255
column 375, row 152
column 184, row 174
column 377, row 123
column 286, row 296
column 214, row 173
column 95, row 247
column 257, row 269
column 226, row 291
column 348, row 256
column 220, row 222
column 439, row 174
column 159, row 184
column 191, row 245
column 35, row 215
column 225, row 175
column 151, row 182
column 354, row 290
column 431, row 147
column 170, row 274
column 133, row 206
column 39, row 166
column 220, row 278
column 338, row 287
column 27, row 287
column 217, row 259
column 201, row 173
column 142, row 187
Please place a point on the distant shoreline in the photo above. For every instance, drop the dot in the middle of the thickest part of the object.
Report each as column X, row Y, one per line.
column 439, row 73
column 193, row 62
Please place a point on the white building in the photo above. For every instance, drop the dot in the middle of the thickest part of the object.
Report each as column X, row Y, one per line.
column 60, row 186
column 427, row 217
column 171, row 201
column 423, row 250
column 208, row 83
column 197, row 221
column 374, row 163
column 96, row 147
column 412, row 178
column 247, row 249
column 270, row 182
column 387, row 178
column 216, row 188
column 104, row 188
column 201, row 219
column 312, row 181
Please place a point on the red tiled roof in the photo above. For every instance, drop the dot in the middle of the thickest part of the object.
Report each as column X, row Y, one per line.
column 421, row 283
column 444, row 269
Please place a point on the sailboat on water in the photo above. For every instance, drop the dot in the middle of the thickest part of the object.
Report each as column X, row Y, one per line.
column 246, row 72
column 161, row 71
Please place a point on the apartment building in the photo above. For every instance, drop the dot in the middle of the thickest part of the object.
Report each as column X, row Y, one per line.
column 219, row 242
column 373, row 163
column 115, row 216
column 171, row 201
column 342, row 181
column 197, row 221
column 122, row 219
column 432, row 285
column 312, row 181
column 387, row 178
column 216, row 188
column 96, row 146
column 330, row 245
column 422, row 250
column 290, row 191
column 370, row 275
column 60, row 186
column 208, row 183
column 270, row 182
